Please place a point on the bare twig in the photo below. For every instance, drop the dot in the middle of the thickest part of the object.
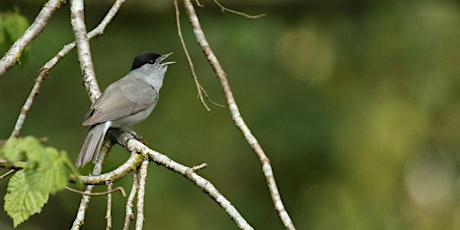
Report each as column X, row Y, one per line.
column 225, row 9
column 198, row 3
column 79, row 219
column 199, row 87
column 199, row 167
column 44, row 71
column 28, row 103
column 18, row 165
column 129, row 203
column 37, row 26
column 141, row 194
column 108, row 214
column 236, row 115
column 4, row 175
column 122, row 191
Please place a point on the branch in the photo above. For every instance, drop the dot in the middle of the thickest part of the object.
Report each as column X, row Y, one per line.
column 5, row 175
column 77, row 19
column 225, row 9
column 135, row 160
column 235, row 113
column 129, row 203
column 28, row 104
column 141, row 193
column 44, row 71
column 134, row 145
column 128, row 166
column 108, row 214
column 79, row 219
column 123, row 193
column 199, row 87
column 141, row 153
column 15, row 51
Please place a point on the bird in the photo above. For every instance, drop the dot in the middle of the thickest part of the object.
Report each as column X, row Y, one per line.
column 124, row 103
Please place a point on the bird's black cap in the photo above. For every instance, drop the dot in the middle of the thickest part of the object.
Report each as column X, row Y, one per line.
column 143, row 58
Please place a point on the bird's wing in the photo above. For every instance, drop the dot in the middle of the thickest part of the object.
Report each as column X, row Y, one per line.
column 127, row 97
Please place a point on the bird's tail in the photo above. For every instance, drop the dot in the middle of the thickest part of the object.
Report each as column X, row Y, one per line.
column 90, row 149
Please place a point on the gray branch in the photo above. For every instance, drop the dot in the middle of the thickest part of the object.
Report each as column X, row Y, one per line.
column 236, row 115
column 141, row 194
column 108, row 214
column 141, row 153
column 77, row 19
column 80, row 218
column 129, row 216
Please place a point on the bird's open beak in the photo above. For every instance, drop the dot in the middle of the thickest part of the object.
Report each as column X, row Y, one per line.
column 164, row 56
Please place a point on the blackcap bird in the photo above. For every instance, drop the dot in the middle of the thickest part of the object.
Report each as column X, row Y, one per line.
column 124, row 103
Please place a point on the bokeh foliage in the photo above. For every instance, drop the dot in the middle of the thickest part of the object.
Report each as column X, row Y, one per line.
column 356, row 104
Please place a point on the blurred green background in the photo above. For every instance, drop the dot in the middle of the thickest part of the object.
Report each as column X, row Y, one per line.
column 356, row 103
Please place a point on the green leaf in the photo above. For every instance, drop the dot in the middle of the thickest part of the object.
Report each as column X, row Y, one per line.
column 14, row 25
column 52, row 174
column 20, row 149
column 11, row 152
column 2, row 32
column 47, row 171
column 20, row 201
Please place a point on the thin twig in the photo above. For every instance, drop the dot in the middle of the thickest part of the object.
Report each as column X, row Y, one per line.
column 199, row 87
column 108, row 214
column 28, row 103
column 18, row 165
column 236, row 115
column 5, row 175
column 122, row 191
column 225, row 9
column 44, row 71
column 79, row 219
column 37, row 26
column 198, row 3
column 129, row 203
column 199, row 167
column 141, row 194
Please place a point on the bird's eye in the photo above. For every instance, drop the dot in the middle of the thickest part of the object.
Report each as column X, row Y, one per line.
column 152, row 61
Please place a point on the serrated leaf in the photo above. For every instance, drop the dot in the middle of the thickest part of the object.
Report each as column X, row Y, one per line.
column 19, row 149
column 52, row 174
column 11, row 152
column 20, row 201
column 47, row 171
